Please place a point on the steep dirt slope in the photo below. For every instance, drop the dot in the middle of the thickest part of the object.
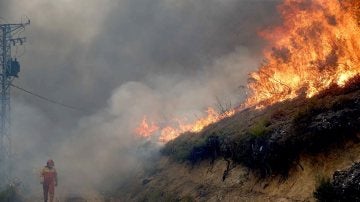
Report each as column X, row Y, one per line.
column 172, row 181
column 276, row 154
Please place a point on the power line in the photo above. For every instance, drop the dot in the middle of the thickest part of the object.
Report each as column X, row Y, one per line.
column 48, row 99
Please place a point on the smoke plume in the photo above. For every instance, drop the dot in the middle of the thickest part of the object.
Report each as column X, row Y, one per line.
column 121, row 60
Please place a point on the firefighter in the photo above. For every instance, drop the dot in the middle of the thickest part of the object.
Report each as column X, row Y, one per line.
column 49, row 180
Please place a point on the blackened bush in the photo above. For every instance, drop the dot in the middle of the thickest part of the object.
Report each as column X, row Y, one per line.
column 210, row 149
column 347, row 183
column 264, row 155
column 325, row 192
column 345, row 186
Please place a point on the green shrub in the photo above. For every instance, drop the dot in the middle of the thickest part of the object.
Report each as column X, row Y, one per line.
column 193, row 148
column 180, row 148
column 260, row 128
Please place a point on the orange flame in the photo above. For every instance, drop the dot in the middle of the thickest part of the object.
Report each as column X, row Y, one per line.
column 145, row 129
column 168, row 133
column 317, row 45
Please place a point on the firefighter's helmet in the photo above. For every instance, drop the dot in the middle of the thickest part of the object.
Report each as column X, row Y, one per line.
column 50, row 162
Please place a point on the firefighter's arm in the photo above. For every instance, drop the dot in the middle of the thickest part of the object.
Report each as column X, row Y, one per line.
column 42, row 176
column 56, row 178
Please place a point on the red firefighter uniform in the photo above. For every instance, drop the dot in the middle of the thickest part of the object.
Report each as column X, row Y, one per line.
column 49, row 180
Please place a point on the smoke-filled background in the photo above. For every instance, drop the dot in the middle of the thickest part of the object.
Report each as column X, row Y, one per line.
column 119, row 60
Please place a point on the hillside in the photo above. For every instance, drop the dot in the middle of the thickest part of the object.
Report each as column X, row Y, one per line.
column 279, row 153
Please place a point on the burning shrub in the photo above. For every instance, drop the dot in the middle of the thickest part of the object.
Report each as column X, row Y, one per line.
column 352, row 85
column 315, row 47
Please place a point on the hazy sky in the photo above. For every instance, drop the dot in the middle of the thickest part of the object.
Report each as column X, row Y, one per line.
column 120, row 59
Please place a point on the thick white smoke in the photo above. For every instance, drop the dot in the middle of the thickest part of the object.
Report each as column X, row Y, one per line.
column 122, row 60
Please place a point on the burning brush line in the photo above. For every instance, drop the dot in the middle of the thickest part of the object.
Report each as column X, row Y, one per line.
column 317, row 45
column 148, row 128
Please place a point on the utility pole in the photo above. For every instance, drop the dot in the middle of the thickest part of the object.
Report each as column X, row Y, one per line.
column 9, row 69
